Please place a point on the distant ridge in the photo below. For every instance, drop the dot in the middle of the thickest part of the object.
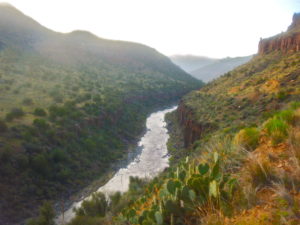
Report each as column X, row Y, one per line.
column 207, row 69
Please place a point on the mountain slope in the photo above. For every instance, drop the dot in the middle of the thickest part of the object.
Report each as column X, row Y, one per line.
column 70, row 106
column 190, row 63
column 207, row 69
column 214, row 70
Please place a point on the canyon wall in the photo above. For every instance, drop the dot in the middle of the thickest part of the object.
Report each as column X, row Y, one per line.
column 285, row 42
column 192, row 130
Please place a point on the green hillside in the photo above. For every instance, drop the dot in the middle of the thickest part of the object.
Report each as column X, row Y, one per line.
column 70, row 105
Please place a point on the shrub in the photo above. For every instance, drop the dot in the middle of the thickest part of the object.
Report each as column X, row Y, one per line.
column 14, row 113
column 3, row 126
column 282, row 95
column 58, row 99
column 97, row 206
column 39, row 112
column 41, row 124
column 27, row 101
column 46, row 216
column 277, row 129
column 247, row 138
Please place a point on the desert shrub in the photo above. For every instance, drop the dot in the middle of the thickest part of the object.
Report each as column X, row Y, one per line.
column 14, row 113
column 27, row 101
column 247, row 138
column 5, row 155
column 58, row 155
column 86, row 220
column 136, row 184
column 46, row 216
column 40, row 165
column 277, row 129
column 41, row 123
column 58, row 99
column 97, row 206
column 39, row 112
column 3, row 126
column 282, row 95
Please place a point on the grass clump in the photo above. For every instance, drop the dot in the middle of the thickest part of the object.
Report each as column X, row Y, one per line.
column 277, row 129
column 261, row 173
column 286, row 115
column 247, row 138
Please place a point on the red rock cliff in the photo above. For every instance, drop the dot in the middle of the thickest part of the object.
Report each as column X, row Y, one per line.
column 285, row 42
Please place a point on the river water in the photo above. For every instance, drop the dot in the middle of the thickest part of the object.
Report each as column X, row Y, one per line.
column 151, row 158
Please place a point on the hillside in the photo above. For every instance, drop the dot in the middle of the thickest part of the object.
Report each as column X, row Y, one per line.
column 242, row 133
column 207, row 69
column 71, row 105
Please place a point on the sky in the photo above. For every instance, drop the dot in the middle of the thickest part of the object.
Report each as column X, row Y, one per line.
column 213, row 28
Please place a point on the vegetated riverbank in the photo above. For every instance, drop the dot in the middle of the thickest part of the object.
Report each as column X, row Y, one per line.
column 143, row 160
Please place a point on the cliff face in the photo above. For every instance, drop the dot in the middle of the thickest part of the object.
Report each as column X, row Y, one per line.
column 192, row 130
column 286, row 42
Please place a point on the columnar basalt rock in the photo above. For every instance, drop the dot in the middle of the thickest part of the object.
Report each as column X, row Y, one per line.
column 285, row 42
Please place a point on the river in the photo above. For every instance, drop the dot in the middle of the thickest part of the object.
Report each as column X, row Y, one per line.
column 151, row 158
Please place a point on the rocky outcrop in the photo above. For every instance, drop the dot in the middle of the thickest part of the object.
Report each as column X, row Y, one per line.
column 285, row 42
column 192, row 130
column 296, row 22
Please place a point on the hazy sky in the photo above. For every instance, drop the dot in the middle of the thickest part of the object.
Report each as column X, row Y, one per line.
column 215, row 28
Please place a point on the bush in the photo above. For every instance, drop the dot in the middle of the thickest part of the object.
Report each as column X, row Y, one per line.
column 41, row 124
column 97, row 206
column 46, row 216
column 282, row 95
column 3, row 126
column 277, row 129
column 27, row 101
column 39, row 112
column 247, row 138
column 14, row 113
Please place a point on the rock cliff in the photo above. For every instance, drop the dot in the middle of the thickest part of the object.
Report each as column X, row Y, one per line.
column 285, row 42
column 192, row 130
